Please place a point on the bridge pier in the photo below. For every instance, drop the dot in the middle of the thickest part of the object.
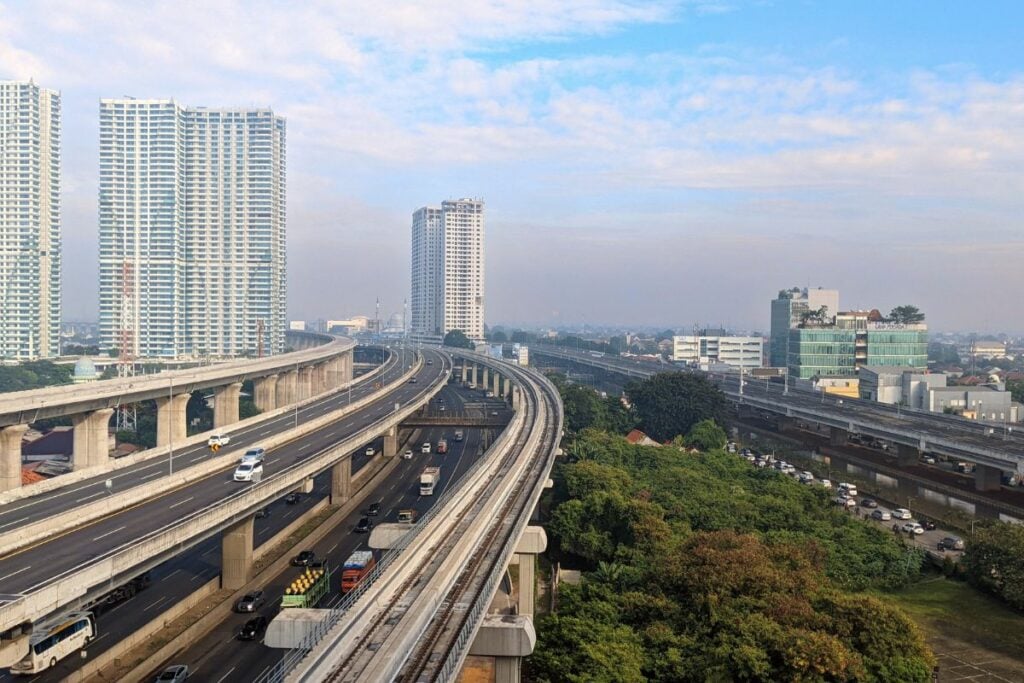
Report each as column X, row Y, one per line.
column 348, row 362
column 533, row 542
column 906, row 455
column 391, row 442
column 171, row 422
column 465, row 371
column 507, row 389
column 838, row 436
column 496, row 389
column 305, row 383
column 286, row 388
column 225, row 404
column 507, row 638
column 341, row 482
column 476, row 375
column 487, row 379
column 987, row 478
column 91, row 438
column 10, row 456
column 265, row 393
column 236, row 553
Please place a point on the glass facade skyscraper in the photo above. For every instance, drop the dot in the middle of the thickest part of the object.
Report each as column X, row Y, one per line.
column 30, row 228
column 192, row 230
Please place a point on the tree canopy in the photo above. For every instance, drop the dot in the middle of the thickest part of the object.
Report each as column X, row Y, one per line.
column 458, row 339
column 584, row 408
column 499, row 337
column 706, row 435
column 700, row 567
column 906, row 315
column 668, row 404
column 33, row 375
column 992, row 561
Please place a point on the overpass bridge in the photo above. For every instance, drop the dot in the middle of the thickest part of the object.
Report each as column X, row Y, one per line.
column 424, row 607
column 993, row 448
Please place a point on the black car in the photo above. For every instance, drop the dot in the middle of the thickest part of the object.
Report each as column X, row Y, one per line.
column 253, row 628
column 250, row 602
column 262, row 513
column 869, row 503
column 412, row 381
column 364, row 525
column 928, row 524
column 291, row 498
column 951, row 543
column 373, row 510
column 304, row 559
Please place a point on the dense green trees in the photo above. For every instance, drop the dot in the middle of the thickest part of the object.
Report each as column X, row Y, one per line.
column 706, row 435
column 906, row 315
column 458, row 339
column 33, row 375
column 585, row 408
column 992, row 561
column 670, row 403
column 704, row 568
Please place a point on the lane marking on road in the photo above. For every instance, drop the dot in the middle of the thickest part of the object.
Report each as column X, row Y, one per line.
column 153, row 604
column 150, row 476
column 17, row 521
column 121, row 528
column 331, row 549
column 98, row 493
column 171, row 574
column 222, row 678
column 264, row 433
column 181, row 502
column 25, row 569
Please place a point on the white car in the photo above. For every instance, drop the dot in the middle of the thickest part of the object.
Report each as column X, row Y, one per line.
column 881, row 515
column 848, row 489
column 407, row 454
column 220, row 440
column 370, row 451
column 901, row 513
column 254, row 455
column 806, row 477
column 845, row 502
column 825, row 483
column 912, row 528
column 249, row 471
column 425, row 448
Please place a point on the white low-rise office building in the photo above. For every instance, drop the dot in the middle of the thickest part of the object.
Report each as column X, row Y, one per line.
column 706, row 350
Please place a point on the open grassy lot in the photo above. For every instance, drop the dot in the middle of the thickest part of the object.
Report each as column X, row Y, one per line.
column 974, row 637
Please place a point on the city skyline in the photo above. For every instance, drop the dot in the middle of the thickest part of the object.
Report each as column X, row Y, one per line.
column 624, row 150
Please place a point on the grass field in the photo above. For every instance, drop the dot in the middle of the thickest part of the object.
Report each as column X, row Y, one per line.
column 975, row 637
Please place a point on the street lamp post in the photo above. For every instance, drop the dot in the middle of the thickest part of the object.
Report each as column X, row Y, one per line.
column 170, row 425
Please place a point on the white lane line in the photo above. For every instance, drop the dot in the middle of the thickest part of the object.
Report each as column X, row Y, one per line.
column 110, row 533
column 208, row 551
column 222, row 678
column 98, row 493
column 15, row 573
column 154, row 604
column 150, row 476
column 171, row 574
column 264, row 433
column 181, row 502
column 17, row 521
column 331, row 549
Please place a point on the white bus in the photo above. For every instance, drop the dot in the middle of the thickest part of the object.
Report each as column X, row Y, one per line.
column 46, row 648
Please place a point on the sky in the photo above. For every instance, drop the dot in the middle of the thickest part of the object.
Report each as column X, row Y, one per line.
column 663, row 163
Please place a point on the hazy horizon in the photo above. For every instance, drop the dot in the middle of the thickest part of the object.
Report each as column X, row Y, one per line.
column 639, row 161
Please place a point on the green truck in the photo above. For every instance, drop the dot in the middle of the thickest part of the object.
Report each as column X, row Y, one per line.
column 308, row 587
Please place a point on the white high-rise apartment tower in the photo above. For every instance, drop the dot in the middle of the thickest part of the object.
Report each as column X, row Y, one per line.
column 448, row 270
column 30, row 265
column 192, row 230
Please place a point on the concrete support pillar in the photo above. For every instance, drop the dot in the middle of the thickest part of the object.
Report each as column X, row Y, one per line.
column 349, row 369
column 265, row 390
column 286, row 388
column 487, row 379
column 496, row 385
column 92, row 438
column 341, row 482
column 533, row 542
column 508, row 639
column 987, row 478
column 838, row 436
column 10, row 456
column 476, row 374
column 391, row 442
column 507, row 389
column 465, row 371
column 171, row 425
column 305, row 383
column 906, row 455
column 225, row 404
column 334, row 372
column 236, row 552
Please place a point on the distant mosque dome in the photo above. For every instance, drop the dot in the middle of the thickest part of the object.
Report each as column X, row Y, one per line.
column 85, row 370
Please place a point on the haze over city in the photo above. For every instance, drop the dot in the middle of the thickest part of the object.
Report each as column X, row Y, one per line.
column 642, row 163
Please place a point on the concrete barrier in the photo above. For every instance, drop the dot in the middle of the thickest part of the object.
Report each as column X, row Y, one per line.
column 56, row 592
column 32, row 533
column 210, row 620
column 116, row 464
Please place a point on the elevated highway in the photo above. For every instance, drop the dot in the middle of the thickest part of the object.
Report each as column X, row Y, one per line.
column 277, row 381
column 86, row 561
column 994, row 448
